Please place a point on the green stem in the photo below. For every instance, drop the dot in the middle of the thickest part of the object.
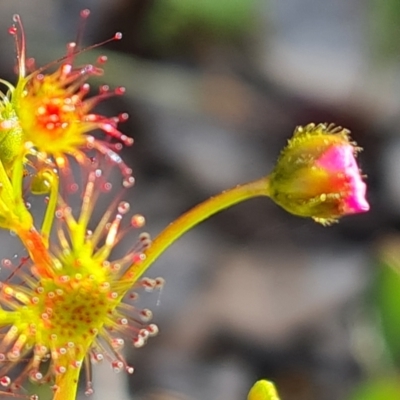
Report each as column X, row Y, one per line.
column 67, row 384
column 17, row 177
column 51, row 207
column 192, row 218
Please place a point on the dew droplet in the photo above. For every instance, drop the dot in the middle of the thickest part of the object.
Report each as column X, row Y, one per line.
column 104, row 89
column 148, row 284
column 144, row 333
column 73, row 187
column 128, row 182
column 138, row 258
column 130, row 370
column 5, row 381
column 160, row 282
column 35, row 376
column 146, row 314
column 129, row 141
column 76, row 364
column 60, row 369
column 152, row 329
column 85, row 13
column 138, row 221
column 104, row 286
column 59, row 214
column 117, row 343
column 113, row 295
column 123, row 207
column 102, row 59
column 115, row 267
column 5, row 262
column 117, row 366
column 106, row 187
column 144, row 237
column 138, row 342
column 120, row 90
column 123, row 117
column 133, row 296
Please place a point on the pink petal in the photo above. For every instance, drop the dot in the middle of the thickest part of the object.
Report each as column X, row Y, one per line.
column 340, row 159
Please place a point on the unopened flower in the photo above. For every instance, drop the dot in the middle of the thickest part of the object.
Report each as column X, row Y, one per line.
column 11, row 136
column 263, row 390
column 52, row 111
column 78, row 310
column 317, row 175
column 14, row 214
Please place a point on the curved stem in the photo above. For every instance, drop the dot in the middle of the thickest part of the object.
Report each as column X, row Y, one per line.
column 67, row 384
column 193, row 217
column 51, row 207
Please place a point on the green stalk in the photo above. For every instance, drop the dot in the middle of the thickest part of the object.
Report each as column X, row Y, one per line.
column 51, row 207
column 192, row 218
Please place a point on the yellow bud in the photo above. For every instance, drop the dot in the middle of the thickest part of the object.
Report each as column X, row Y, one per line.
column 263, row 390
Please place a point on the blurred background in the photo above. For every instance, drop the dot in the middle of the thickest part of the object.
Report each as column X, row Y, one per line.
column 214, row 90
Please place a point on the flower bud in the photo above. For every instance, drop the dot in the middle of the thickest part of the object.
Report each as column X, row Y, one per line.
column 263, row 390
column 11, row 135
column 317, row 175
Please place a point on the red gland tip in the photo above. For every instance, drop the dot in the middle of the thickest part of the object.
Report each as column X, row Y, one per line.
column 118, row 36
column 104, row 89
column 120, row 90
column 16, row 18
column 123, row 117
column 102, row 59
column 85, row 13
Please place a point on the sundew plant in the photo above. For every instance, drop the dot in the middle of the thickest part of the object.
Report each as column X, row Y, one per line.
column 70, row 302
